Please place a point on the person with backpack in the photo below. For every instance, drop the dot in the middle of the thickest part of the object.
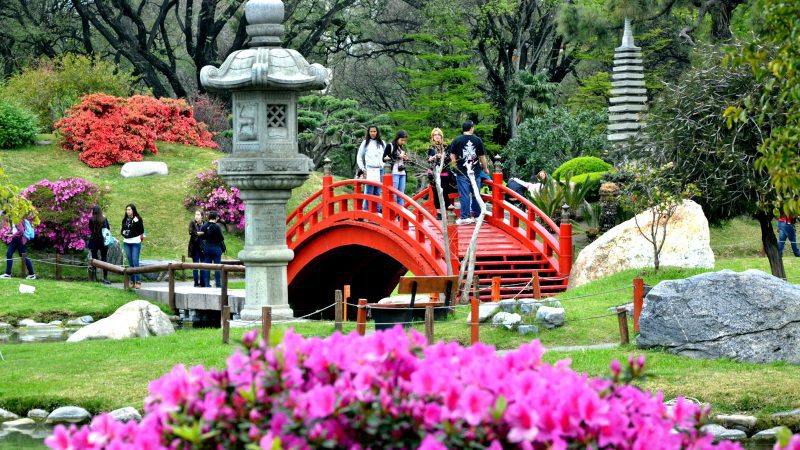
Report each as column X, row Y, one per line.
column 213, row 249
column 20, row 234
column 132, row 232
column 99, row 240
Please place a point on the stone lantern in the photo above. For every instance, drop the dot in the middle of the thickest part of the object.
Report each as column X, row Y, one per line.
column 265, row 165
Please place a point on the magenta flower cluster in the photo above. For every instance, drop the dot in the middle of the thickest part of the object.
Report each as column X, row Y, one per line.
column 389, row 390
column 64, row 208
column 210, row 193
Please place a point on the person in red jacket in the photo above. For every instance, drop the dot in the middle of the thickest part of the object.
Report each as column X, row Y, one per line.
column 17, row 244
column 786, row 231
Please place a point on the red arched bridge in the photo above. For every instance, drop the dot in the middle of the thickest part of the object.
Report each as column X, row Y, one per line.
column 336, row 243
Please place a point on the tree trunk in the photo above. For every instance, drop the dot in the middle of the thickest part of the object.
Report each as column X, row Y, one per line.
column 770, row 245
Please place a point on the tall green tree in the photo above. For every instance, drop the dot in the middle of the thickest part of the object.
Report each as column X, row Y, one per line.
column 443, row 82
column 686, row 130
column 775, row 61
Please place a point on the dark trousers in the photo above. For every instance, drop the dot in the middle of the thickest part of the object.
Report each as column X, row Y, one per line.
column 213, row 255
column 16, row 245
column 197, row 257
column 103, row 252
column 468, row 198
column 448, row 187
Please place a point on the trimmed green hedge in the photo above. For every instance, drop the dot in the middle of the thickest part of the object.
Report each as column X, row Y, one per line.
column 581, row 165
column 18, row 126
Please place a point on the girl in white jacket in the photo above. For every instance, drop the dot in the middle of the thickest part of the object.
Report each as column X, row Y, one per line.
column 370, row 161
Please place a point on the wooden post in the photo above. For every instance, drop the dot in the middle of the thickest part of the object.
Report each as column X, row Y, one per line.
column 495, row 289
column 183, row 271
column 171, row 289
column 266, row 322
column 474, row 321
column 58, row 266
column 476, row 288
column 346, row 297
column 361, row 317
column 126, row 280
column 537, row 286
column 638, row 301
column 337, row 310
column 223, row 292
column 622, row 318
column 226, row 325
column 429, row 324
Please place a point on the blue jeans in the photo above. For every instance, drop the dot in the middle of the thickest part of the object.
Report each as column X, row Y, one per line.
column 372, row 190
column 467, row 197
column 16, row 245
column 786, row 231
column 399, row 183
column 212, row 255
column 197, row 257
column 132, row 251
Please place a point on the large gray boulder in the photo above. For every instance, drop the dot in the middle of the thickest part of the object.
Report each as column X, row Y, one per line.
column 143, row 169
column 68, row 414
column 749, row 316
column 688, row 244
column 138, row 318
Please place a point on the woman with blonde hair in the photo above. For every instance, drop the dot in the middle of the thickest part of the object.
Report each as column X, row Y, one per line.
column 436, row 151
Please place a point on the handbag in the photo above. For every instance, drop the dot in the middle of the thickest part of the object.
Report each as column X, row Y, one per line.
column 108, row 238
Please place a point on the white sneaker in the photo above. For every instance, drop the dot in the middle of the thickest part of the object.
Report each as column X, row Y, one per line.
column 31, row 277
column 5, row 276
column 464, row 221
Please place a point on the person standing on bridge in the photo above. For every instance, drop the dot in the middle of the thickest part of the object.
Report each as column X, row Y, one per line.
column 213, row 249
column 370, row 161
column 466, row 150
column 396, row 151
column 437, row 151
column 195, row 249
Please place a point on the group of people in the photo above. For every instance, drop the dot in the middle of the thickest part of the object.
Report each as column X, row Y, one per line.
column 466, row 151
column 206, row 244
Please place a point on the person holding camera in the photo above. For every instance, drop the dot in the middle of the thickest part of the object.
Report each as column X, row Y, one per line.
column 396, row 151
column 370, row 162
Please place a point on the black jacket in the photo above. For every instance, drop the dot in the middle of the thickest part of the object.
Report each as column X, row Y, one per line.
column 131, row 227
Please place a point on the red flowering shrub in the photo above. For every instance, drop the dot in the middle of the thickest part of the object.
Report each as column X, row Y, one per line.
column 211, row 111
column 108, row 130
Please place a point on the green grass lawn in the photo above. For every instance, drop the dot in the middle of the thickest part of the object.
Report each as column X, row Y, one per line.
column 158, row 199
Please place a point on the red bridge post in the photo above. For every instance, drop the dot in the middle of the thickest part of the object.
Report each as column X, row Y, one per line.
column 497, row 190
column 386, row 194
column 565, row 243
column 327, row 191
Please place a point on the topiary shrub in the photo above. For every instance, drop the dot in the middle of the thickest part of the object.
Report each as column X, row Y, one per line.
column 594, row 179
column 387, row 390
column 108, row 130
column 18, row 126
column 51, row 87
column 581, row 165
column 209, row 193
column 64, row 208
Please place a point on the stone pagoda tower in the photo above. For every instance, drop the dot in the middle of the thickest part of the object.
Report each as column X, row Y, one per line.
column 265, row 81
column 628, row 93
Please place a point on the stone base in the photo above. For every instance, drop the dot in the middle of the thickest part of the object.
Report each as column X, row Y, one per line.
column 279, row 312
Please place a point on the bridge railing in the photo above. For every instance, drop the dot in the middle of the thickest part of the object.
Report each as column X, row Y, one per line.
column 345, row 199
column 527, row 222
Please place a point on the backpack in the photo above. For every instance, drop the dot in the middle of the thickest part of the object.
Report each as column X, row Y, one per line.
column 29, row 232
column 108, row 238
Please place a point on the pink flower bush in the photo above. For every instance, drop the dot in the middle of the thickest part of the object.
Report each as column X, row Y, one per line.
column 64, row 208
column 210, row 193
column 388, row 390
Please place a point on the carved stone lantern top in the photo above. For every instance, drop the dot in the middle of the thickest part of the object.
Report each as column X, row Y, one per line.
column 265, row 66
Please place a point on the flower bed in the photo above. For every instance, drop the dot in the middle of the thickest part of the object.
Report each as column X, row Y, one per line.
column 210, row 193
column 388, row 390
column 107, row 130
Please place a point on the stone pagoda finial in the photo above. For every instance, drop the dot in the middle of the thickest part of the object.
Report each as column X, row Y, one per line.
column 264, row 22
column 628, row 93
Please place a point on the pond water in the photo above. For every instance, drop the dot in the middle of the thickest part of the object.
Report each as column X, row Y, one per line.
column 25, row 335
column 20, row 441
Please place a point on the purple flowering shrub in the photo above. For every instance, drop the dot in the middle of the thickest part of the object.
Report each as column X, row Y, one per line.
column 388, row 390
column 64, row 208
column 209, row 193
